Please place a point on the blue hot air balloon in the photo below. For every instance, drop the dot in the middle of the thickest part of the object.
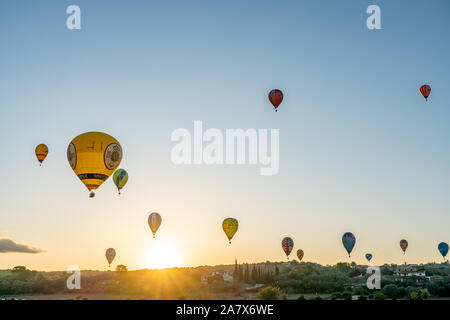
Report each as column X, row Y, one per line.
column 348, row 240
column 443, row 248
column 368, row 256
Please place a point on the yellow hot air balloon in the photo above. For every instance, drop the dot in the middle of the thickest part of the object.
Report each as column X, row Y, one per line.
column 41, row 152
column 230, row 226
column 300, row 254
column 93, row 157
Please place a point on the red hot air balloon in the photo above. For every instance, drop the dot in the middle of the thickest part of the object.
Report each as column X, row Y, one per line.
column 275, row 98
column 425, row 90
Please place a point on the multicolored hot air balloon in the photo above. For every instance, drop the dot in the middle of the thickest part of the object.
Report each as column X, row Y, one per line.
column 41, row 152
column 154, row 221
column 368, row 256
column 287, row 244
column 300, row 254
column 348, row 240
column 403, row 245
column 110, row 255
column 425, row 90
column 120, row 178
column 230, row 226
column 443, row 249
column 93, row 157
column 275, row 97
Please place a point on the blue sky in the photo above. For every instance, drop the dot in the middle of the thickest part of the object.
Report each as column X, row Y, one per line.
column 360, row 149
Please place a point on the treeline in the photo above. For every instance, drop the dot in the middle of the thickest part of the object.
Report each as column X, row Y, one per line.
column 344, row 280
column 255, row 274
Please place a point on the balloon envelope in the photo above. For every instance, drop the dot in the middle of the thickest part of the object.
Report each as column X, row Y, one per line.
column 403, row 245
column 275, row 97
column 368, row 256
column 287, row 244
column 230, row 226
column 120, row 178
column 110, row 254
column 300, row 254
column 94, row 156
column 443, row 248
column 425, row 90
column 41, row 152
column 348, row 240
column 154, row 221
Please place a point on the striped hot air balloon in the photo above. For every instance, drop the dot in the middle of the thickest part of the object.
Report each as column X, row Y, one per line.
column 425, row 90
column 41, row 152
column 110, row 255
column 287, row 244
column 154, row 221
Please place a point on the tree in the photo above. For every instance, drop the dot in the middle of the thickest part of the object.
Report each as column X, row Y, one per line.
column 121, row 268
column 354, row 273
column 386, row 271
column 379, row 296
column 414, row 295
column 277, row 271
column 391, row 291
column 253, row 276
column 269, row 293
column 424, row 294
column 246, row 274
column 22, row 273
column 342, row 267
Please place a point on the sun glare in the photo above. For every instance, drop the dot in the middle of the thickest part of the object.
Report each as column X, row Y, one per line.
column 162, row 256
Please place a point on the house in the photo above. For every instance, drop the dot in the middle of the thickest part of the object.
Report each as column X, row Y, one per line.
column 409, row 271
column 436, row 278
column 403, row 272
column 225, row 275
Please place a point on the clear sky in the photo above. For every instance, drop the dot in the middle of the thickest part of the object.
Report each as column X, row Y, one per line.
column 360, row 149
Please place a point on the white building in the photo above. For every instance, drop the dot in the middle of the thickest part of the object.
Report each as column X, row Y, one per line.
column 225, row 275
column 409, row 271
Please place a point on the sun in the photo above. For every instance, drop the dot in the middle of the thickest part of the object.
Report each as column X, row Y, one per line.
column 161, row 256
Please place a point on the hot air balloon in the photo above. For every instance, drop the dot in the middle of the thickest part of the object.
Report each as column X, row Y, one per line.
column 93, row 157
column 300, row 254
column 230, row 226
column 41, row 152
column 403, row 245
column 348, row 240
column 275, row 97
column 287, row 244
column 368, row 256
column 120, row 178
column 443, row 249
column 154, row 221
column 425, row 90
column 110, row 254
